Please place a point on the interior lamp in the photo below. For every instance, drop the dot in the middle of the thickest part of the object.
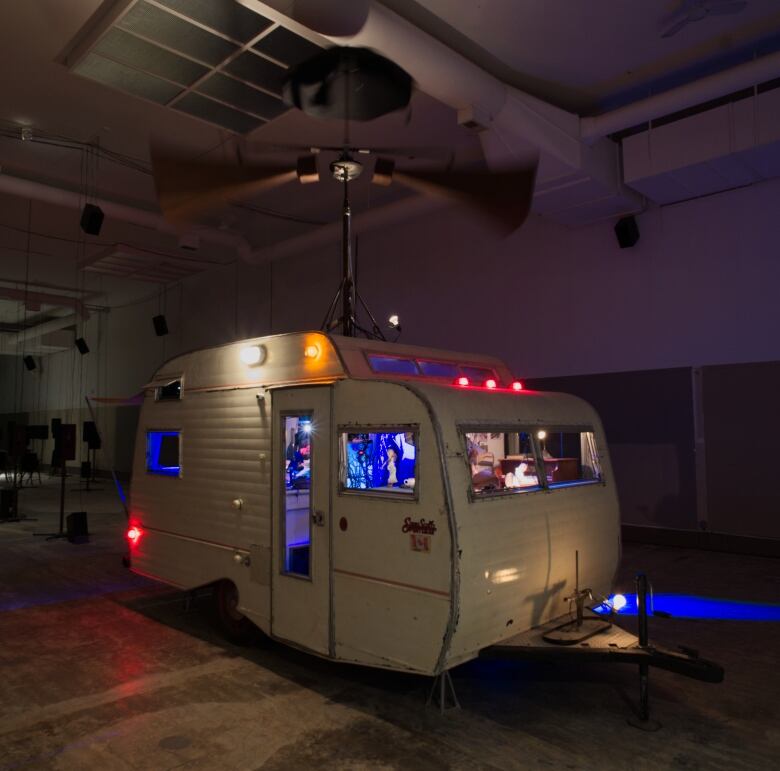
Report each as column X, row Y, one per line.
column 618, row 603
column 252, row 354
column 541, row 435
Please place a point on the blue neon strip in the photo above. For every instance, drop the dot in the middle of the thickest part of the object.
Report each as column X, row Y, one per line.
column 692, row 607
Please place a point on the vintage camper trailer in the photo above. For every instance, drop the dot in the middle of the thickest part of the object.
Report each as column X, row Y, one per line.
column 382, row 504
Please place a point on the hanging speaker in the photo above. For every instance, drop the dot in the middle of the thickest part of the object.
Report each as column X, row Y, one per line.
column 81, row 344
column 29, row 362
column 627, row 232
column 160, row 325
column 91, row 219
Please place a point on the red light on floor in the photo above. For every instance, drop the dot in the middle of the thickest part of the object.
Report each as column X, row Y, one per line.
column 133, row 535
column 517, row 386
column 462, row 381
column 490, row 383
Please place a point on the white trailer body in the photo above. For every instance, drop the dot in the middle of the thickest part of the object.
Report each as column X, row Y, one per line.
column 366, row 507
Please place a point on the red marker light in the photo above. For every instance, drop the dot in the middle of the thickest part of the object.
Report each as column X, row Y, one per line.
column 462, row 381
column 490, row 383
column 517, row 386
column 133, row 535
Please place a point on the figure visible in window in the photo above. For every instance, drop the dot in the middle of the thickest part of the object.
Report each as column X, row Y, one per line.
column 392, row 456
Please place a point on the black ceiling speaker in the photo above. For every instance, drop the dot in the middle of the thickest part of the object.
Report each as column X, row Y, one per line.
column 160, row 325
column 81, row 344
column 348, row 83
column 29, row 362
column 627, row 232
column 91, row 219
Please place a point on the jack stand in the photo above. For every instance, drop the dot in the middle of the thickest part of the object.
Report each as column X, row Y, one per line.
column 642, row 720
column 442, row 693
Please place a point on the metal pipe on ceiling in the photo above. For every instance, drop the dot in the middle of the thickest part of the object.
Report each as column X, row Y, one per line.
column 38, row 191
column 42, row 329
column 676, row 99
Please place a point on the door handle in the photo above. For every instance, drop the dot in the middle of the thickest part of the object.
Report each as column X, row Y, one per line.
column 318, row 518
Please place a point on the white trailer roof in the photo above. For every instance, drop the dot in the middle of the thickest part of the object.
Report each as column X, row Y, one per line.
column 315, row 357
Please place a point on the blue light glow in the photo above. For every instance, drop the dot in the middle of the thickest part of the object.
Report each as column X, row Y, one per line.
column 692, row 607
column 162, row 452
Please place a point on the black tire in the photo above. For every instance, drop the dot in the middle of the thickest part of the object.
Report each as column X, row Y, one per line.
column 236, row 627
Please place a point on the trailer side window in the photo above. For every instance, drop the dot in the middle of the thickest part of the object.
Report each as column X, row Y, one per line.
column 378, row 461
column 168, row 392
column 570, row 456
column 162, row 453
column 501, row 462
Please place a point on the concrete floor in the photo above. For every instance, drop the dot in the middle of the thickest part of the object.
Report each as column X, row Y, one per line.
column 100, row 669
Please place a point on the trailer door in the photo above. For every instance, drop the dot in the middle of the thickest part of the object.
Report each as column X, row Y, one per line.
column 300, row 611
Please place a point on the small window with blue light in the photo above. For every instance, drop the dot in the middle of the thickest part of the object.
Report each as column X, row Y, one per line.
column 392, row 365
column 162, row 453
column 379, row 461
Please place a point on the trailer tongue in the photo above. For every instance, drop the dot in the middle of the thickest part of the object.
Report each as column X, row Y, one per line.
column 593, row 638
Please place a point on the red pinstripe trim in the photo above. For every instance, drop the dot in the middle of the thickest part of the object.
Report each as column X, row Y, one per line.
column 392, row 583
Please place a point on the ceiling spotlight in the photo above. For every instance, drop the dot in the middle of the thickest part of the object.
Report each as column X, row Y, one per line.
column 383, row 171
column 307, row 169
column 394, row 322
column 345, row 169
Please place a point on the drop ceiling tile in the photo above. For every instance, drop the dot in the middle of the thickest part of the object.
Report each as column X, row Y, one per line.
column 226, row 16
column 286, row 47
column 242, row 96
column 259, row 71
column 209, row 110
column 171, row 31
column 126, row 79
column 128, row 49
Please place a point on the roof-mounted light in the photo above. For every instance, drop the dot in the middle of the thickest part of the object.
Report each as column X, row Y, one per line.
column 462, row 381
column 311, row 351
column 252, row 354
column 490, row 383
column 517, row 385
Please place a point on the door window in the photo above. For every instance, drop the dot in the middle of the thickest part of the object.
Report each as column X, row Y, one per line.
column 379, row 461
column 296, row 514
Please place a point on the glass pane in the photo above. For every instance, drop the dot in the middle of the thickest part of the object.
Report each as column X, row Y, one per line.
column 297, row 494
column 383, row 461
column 477, row 375
column 162, row 452
column 501, row 461
column 438, row 368
column 392, row 365
column 169, row 391
column 569, row 456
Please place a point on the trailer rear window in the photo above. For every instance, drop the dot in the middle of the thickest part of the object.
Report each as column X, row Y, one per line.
column 162, row 453
column 379, row 461
column 570, row 456
column 502, row 462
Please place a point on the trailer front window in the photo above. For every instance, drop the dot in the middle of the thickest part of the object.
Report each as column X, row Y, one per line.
column 379, row 461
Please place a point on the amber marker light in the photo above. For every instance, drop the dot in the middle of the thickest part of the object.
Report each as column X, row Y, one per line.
column 311, row 351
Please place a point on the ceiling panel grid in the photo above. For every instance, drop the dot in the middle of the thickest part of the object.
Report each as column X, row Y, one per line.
column 215, row 60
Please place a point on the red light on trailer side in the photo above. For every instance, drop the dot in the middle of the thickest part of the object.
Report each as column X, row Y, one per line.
column 491, row 384
column 517, row 386
column 462, row 382
column 134, row 534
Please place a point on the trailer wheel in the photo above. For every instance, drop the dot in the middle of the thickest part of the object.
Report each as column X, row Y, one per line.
column 235, row 626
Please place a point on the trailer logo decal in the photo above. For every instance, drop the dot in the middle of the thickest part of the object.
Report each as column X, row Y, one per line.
column 426, row 526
